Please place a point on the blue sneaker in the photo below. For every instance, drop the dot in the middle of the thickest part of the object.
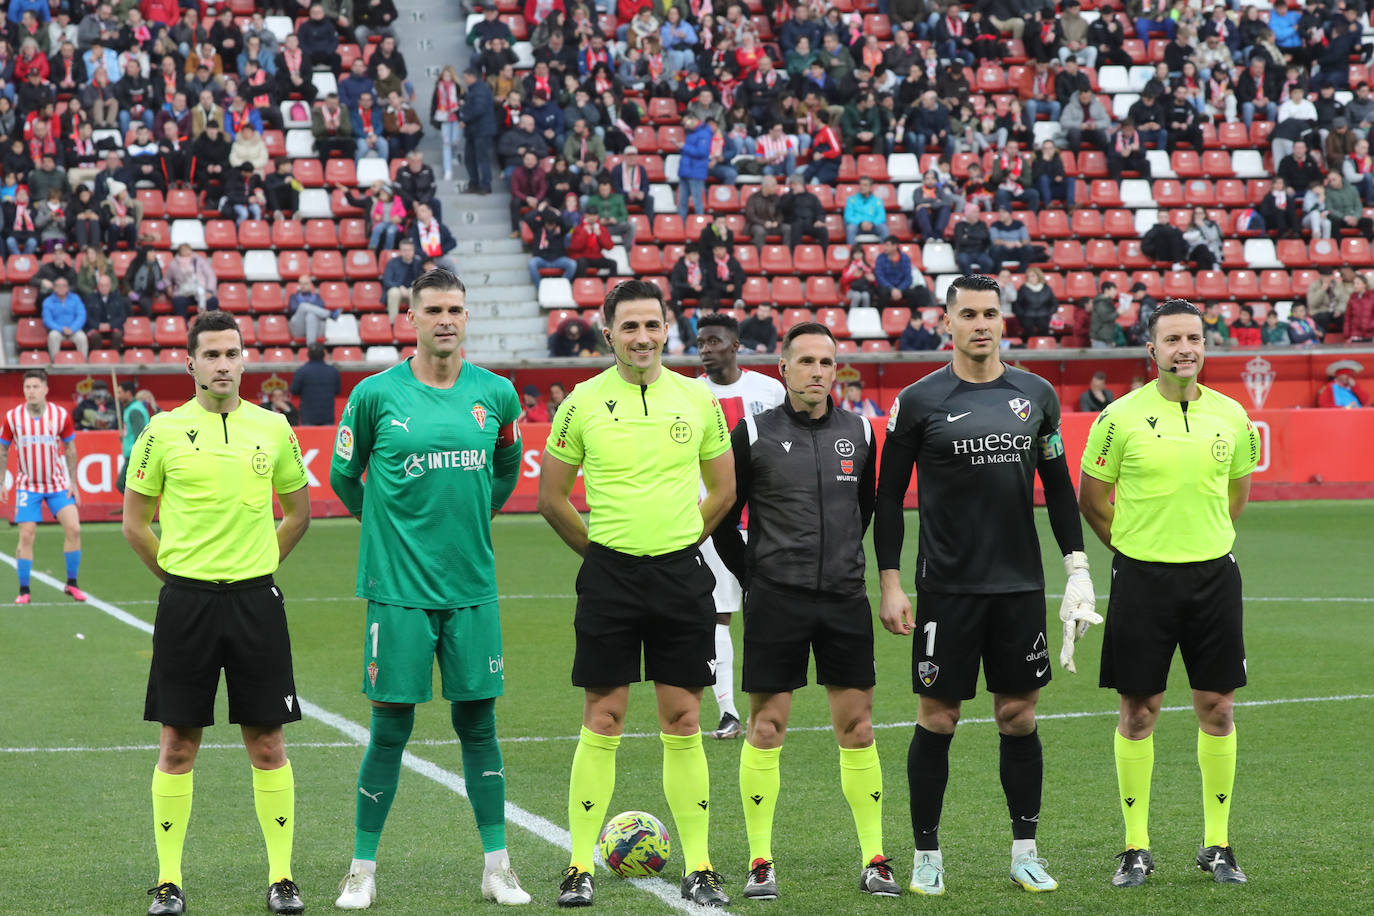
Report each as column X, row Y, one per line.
column 1028, row 871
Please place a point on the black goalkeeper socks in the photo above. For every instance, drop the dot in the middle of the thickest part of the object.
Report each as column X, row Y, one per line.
column 927, row 772
column 1022, row 767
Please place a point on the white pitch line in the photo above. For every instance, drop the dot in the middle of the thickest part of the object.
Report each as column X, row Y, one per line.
column 544, row 829
column 534, row 739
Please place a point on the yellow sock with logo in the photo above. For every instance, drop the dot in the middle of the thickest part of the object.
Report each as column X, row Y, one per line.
column 1216, row 757
column 861, row 781
column 1135, row 762
column 590, row 784
column 759, row 781
column 687, row 786
column 171, row 814
column 274, row 796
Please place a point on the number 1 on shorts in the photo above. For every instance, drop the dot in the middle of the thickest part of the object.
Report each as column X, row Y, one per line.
column 376, row 626
column 928, row 629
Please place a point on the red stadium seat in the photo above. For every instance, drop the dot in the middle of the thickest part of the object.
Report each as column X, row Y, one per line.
column 1106, row 193
column 20, row 268
column 1186, row 163
column 757, row 291
column 104, row 357
column 1242, row 284
column 776, row 259
column 646, row 139
column 276, row 143
column 589, row 292
column 1356, row 252
column 876, row 346
column 24, row 302
column 267, row 297
column 1179, row 284
column 319, row 233
column 846, row 347
column 339, row 205
column 340, row 172
column 668, row 229
column 1119, row 224
column 171, row 355
column 227, row 265
column 1217, row 164
column 895, row 320
column 233, row 297
column 30, row 333
column 1231, row 193
column 274, row 331
column 1325, row 253
column 788, row 293
column 873, row 166
column 375, row 330
column 1102, row 253
column 1068, row 255
column 836, row 319
column 154, row 205
column 645, row 260
column 169, row 331
column 1153, row 285
column 135, row 355
column 182, row 204
column 288, row 234
column 1199, row 193
column 1168, row 193
column 328, row 264
column 1275, row 284
column 1042, row 343
column 352, row 233
column 309, row 172
column 663, row 110
column 1211, row 284
column 785, row 318
column 670, row 138
column 1087, row 223
column 278, row 355
column 292, row 264
column 1293, row 253
column 822, row 292
column 255, row 235
column 221, row 233
column 1054, row 224
column 247, row 330
column 405, row 329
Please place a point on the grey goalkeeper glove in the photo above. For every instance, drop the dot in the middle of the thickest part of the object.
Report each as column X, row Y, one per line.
column 1078, row 610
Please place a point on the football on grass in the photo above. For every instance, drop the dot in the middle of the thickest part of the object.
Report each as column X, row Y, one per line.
column 635, row 844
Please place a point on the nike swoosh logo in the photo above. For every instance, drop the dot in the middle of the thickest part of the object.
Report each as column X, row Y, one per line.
column 1039, row 672
column 950, row 418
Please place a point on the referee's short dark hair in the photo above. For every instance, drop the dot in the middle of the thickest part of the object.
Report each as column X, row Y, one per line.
column 40, row 374
column 1172, row 307
column 974, row 282
column 802, row 329
column 439, row 279
column 213, row 320
column 720, row 320
column 630, row 291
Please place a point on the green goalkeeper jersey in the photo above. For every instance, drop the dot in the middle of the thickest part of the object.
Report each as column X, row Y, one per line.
column 431, row 456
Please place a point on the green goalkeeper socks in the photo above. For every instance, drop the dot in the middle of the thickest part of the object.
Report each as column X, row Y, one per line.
column 590, row 785
column 274, row 797
column 171, row 813
column 1216, row 757
column 687, row 785
column 1135, row 761
column 759, row 781
column 483, row 769
column 861, row 780
column 379, row 775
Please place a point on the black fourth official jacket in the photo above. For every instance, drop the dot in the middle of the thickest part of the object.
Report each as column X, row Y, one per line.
column 809, row 487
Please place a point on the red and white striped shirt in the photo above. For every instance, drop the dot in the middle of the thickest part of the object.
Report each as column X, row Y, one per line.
column 38, row 443
column 774, row 149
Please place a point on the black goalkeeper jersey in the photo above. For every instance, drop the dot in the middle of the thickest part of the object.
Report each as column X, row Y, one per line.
column 977, row 447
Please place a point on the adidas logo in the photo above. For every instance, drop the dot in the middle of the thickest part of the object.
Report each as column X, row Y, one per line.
column 1130, row 802
column 166, row 825
column 756, row 799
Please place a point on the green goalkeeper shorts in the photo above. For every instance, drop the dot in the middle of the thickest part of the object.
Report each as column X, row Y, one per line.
column 401, row 643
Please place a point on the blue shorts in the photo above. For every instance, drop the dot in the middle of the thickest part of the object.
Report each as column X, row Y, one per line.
column 28, row 505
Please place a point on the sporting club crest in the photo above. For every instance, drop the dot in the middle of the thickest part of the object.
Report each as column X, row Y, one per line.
column 1259, row 378
column 1020, row 407
column 927, row 672
column 479, row 413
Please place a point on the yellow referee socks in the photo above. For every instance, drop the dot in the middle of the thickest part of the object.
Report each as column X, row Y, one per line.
column 590, row 784
column 274, row 796
column 759, row 781
column 687, row 786
column 1216, row 757
column 861, row 781
column 1135, row 763
column 171, row 814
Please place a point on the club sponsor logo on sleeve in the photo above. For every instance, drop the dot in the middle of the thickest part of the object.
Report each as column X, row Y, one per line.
column 892, row 415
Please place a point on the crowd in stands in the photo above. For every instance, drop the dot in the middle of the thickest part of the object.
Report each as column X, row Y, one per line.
column 1003, row 102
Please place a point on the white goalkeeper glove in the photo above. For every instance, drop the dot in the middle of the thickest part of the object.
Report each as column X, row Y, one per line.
column 1078, row 610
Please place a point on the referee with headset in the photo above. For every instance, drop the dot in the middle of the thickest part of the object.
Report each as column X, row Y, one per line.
column 214, row 462
column 1180, row 457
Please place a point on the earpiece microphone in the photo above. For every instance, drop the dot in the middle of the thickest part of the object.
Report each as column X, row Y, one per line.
column 799, row 391
column 204, row 387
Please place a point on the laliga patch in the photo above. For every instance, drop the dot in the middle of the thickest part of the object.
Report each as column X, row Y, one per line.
column 927, row 672
column 892, row 414
column 1051, row 446
column 479, row 413
column 372, row 673
column 1020, row 407
column 344, row 446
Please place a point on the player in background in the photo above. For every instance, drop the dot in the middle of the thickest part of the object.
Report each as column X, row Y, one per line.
column 805, row 470
column 1180, row 456
column 44, row 440
column 646, row 438
column 439, row 441
column 979, row 431
column 741, row 393
column 209, row 469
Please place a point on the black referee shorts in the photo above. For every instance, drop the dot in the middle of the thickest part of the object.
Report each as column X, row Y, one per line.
column 782, row 628
column 1157, row 607
column 202, row 627
column 662, row 604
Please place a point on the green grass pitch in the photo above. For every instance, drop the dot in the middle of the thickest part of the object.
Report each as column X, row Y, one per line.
column 76, row 758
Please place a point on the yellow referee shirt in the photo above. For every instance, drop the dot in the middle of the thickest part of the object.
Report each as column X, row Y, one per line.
column 216, row 474
column 1172, row 469
column 640, row 448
